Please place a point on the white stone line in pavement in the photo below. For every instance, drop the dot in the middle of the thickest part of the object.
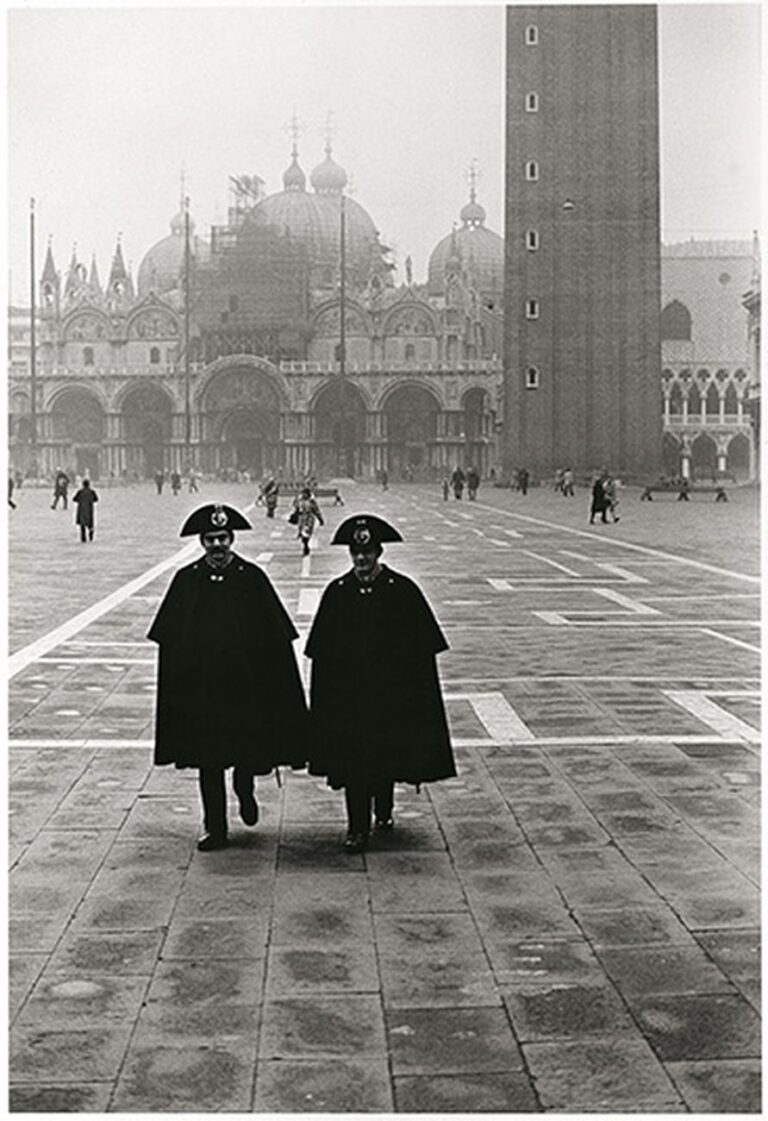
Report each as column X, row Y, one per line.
column 28, row 654
column 500, row 585
column 553, row 563
column 618, row 543
column 309, row 598
column 733, row 641
column 77, row 642
column 513, row 533
column 566, row 678
column 264, row 558
column 497, row 715
column 503, row 544
column 457, row 741
column 306, row 564
column 66, row 660
column 628, row 604
column 701, row 705
column 642, row 621
column 705, row 597
column 627, row 576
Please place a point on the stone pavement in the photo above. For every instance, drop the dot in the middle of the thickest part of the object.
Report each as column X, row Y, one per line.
column 569, row 925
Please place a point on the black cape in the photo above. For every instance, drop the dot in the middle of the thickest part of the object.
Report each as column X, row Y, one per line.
column 228, row 691
column 375, row 702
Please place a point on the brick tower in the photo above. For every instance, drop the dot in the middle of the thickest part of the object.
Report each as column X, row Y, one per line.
column 582, row 273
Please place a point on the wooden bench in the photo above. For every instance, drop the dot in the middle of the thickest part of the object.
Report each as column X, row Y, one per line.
column 683, row 493
column 325, row 492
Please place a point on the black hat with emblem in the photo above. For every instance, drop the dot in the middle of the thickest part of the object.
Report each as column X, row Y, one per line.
column 365, row 529
column 213, row 517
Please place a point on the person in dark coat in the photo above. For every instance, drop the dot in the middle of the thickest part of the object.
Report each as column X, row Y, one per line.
column 85, row 499
column 600, row 499
column 376, row 709
column 228, row 691
column 457, row 482
column 60, row 488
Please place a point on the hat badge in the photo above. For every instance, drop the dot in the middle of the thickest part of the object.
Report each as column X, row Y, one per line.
column 219, row 517
column 361, row 535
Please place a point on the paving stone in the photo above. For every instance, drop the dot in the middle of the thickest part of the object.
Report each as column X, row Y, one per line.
column 550, row 963
column 105, row 912
column 451, row 1041
column 81, row 1055
column 82, row 1000
column 225, row 897
column 736, row 909
column 180, row 984
column 216, row 939
column 76, row 854
column 209, row 1078
column 568, row 1012
column 737, row 953
column 600, row 1076
column 719, row 1086
column 526, row 918
column 343, row 1086
column 23, row 971
column 92, row 1098
column 228, row 1023
column 323, row 1026
column 465, row 1093
column 113, row 953
column 148, row 853
column 700, row 1026
column 408, row 882
column 634, row 926
column 663, row 969
column 303, row 969
column 320, row 924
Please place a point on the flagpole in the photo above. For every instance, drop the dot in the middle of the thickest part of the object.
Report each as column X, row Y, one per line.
column 32, row 338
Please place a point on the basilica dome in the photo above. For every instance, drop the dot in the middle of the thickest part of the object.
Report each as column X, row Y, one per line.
column 314, row 219
column 163, row 264
column 476, row 250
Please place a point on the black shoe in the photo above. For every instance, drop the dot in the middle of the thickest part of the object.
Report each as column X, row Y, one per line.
column 209, row 842
column 249, row 808
column 356, row 842
column 384, row 826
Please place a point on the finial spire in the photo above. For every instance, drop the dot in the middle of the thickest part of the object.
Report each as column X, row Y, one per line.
column 473, row 174
column 329, row 130
column 294, row 127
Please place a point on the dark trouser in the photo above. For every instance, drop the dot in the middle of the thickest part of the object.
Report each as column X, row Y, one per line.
column 59, row 495
column 86, row 529
column 214, row 796
column 359, row 796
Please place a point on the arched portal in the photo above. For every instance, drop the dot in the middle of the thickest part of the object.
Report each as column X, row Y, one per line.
column 411, row 415
column 703, row 457
column 77, row 423
column 146, row 416
column 739, row 457
column 240, row 415
column 478, row 428
column 339, row 414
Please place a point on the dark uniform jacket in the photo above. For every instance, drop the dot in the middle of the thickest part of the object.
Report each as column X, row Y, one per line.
column 376, row 707
column 229, row 691
column 85, row 500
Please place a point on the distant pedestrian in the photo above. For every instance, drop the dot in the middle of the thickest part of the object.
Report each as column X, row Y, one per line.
column 11, row 485
column 523, row 478
column 270, row 493
column 159, row 480
column 558, row 480
column 473, row 482
column 446, row 488
column 60, row 488
column 175, row 482
column 611, row 488
column 376, row 710
column 567, row 486
column 385, row 480
column 304, row 515
column 192, row 487
column 228, row 689
column 600, row 502
column 85, row 500
column 457, row 482
column 685, row 486
column 18, row 478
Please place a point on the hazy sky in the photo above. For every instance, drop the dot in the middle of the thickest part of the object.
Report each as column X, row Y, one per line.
column 107, row 105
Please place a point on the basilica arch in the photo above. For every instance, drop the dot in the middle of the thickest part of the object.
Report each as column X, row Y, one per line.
column 478, row 427
column 411, row 416
column 77, row 429
column 146, row 428
column 703, row 457
column 339, row 429
column 240, row 408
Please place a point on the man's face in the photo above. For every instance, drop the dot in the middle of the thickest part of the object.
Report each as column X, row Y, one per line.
column 364, row 558
column 218, row 547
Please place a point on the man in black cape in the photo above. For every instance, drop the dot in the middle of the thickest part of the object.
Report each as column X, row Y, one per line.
column 375, row 703
column 229, row 692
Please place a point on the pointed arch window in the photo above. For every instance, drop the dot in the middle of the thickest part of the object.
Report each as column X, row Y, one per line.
column 532, row 379
column 675, row 322
column 531, row 103
column 531, row 35
column 88, row 356
column 532, row 240
column 531, row 309
column 410, row 352
column 532, row 171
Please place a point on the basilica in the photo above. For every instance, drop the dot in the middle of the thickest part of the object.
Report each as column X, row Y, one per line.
column 277, row 344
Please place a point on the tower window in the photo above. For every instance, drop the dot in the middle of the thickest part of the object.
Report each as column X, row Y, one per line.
column 531, row 309
column 154, row 355
column 675, row 322
column 532, row 240
column 88, row 356
column 532, row 171
column 532, row 378
column 531, row 103
column 531, row 35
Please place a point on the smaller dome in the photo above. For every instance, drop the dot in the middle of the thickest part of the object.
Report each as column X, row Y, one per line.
column 177, row 224
column 294, row 178
column 328, row 177
column 472, row 214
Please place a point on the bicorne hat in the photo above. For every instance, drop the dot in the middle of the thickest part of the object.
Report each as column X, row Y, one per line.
column 365, row 529
column 207, row 519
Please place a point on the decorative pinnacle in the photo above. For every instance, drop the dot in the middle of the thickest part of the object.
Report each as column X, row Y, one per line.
column 473, row 174
column 294, row 127
column 329, row 131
